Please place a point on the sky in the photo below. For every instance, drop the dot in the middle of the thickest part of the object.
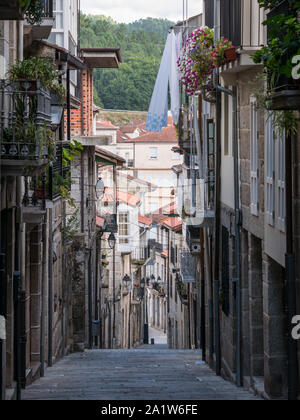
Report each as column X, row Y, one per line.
column 130, row 10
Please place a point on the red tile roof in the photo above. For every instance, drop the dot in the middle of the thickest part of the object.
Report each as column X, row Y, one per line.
column 163, row 212
column 100, row 222
column 168, row 135
column 106, row 125
column 122, row 196
column 172, row 222
column 145, row 220
column 123, row 138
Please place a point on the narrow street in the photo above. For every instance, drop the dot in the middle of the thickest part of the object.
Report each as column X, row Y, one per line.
column 148, row 373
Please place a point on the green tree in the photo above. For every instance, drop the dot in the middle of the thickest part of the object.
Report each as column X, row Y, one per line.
column 142, row 44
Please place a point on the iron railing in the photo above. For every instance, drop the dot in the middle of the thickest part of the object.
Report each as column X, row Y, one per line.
column 25, row 118
column 48, row 8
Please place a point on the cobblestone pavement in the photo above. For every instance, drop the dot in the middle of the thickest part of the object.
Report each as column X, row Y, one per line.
column 148, row 373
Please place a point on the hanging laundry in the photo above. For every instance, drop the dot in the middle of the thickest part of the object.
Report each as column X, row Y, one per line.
column 168, row 75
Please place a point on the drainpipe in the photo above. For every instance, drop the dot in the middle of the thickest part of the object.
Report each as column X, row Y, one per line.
column 50, row 291
column 293, row 375
column 44, row 272
column 237, row 280
column 90, row 300
column 216, row 268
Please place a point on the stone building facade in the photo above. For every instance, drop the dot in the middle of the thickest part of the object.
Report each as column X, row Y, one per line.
column 245, row 243
column 47, row 287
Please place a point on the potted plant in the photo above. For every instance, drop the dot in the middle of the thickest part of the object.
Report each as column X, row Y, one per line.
column 35, row 69
column 200, row 56
column 283, row 91
column 196, row 62
column 34, row 10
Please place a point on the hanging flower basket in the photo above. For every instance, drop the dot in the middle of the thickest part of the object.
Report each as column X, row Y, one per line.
column 200, row 56
column 230, row 54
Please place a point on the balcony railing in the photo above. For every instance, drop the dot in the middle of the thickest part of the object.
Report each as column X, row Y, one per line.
column 240, row 21
column 153, row 244
column 48, row 8
column 25, row 124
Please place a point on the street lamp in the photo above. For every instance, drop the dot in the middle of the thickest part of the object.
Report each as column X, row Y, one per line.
column 100, row 189
column 112, row 241
column 153, row 277
column 126, row 279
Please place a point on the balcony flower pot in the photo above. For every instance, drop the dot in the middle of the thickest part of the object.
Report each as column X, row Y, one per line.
column 39, row 193
column 28, row 85
column 285, row 100
column 230, row 54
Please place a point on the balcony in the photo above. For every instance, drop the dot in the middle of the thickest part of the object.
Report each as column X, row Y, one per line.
column 125, row 246
column 11, row 10
column 242, row 23
column 34, row 200
column 25, row 127
column 43, row 29
column 286, row 91
column 152, row 244
column 193, row 240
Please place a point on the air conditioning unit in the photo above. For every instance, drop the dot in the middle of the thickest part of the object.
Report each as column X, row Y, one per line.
column 195, row 248
column 193, row 240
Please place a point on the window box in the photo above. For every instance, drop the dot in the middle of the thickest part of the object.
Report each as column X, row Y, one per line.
column 24, row 127
column 286, row 93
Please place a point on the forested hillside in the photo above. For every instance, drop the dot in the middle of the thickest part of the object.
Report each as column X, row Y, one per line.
column 142, row 44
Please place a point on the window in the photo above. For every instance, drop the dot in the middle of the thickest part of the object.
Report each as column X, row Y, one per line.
column 124, row 230
column 210, row 156
column 254, row 137
column 281, row 199
column 153, row 153
column 226, row 126
column 270, row 205
column 171, row 287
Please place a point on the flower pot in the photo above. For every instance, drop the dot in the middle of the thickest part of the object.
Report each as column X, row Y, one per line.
column 39, row 193
column 27, row 85
column 230, row 54
column 285, row 100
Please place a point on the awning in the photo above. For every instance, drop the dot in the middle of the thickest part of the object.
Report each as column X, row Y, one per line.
column 102, row 58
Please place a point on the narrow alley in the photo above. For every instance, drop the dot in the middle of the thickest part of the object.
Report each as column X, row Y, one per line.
column 149, row 200
column 147, row 373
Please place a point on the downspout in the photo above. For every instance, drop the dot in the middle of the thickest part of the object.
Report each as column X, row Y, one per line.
column 43, row 286
column 50, row 290
column 216, row 268
column 19, row 274
column 199, row 143
column 293, row 375
column 90, row 300
column 114, row 259
column 238, row 215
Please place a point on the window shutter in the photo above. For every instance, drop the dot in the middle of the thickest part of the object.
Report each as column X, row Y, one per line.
column 254, row 160
column 281, row 199
column 270, row 181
